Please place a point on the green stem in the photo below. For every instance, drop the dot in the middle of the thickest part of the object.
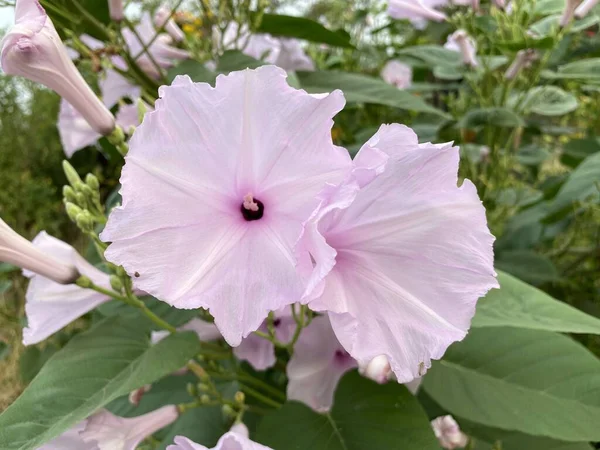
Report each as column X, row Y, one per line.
column 149, row 54
column 160, row 30
column 257, row 395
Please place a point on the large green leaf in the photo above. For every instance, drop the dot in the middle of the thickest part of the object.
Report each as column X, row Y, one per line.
column 197, row 71
column 434, row 55
column 233, row 60
column 586, row 69
column 536, row 382
column 302, row 28
column 498, row 117
column 576, row 150
column 104, row 363
column 365, row 416
column 583, row 183
column 550, row 101
column 517, row 304
column 528, row 265
column 364, row 89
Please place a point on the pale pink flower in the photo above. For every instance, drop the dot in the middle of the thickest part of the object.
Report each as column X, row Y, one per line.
column 500, row 3
column 397, row 74
column 206, row 331
column 292, row 56
column 162, row 17
column 378, row 369
column 115, row 86
column 260, row 352
column 115, row 9
column 416, row 9
column 259, row 46
column 448, row 433
column 161, row 50
column 236, row 439
column 75, row 133
column 33, row 49
column 16, row 250
column 461, row 42
column 218, row 180
column 70, row 440
column 51, row 306
column 585, row 7
column 400, row 253
column 318, row 363
column 414, row 385
column 112, row 432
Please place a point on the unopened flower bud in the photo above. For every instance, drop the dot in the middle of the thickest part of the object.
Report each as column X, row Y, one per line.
column 115, row 9
column 522, row 60
column 92, row 181
column 205, row 399
column 163, row 18
column 69, row 194
column 80, row 196
column 191, row 390
column 73, row 210
column 461, row 42
column 585, row 7
column 202, row 387
column 378, row 369
column 117, row 136
column 71, row 174
column 568, row 12
column 84, row 282
column 135, row 397
column 448, row 433
column 116, row 283
column 228, row 411
column 85, row 222
column 240, row 397
column 33, row 49
column 15, row 249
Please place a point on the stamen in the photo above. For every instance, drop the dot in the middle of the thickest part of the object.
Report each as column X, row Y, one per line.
column 252, row 208
column 249, row 203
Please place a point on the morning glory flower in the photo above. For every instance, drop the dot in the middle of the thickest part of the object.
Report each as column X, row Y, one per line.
column 416, row 9
column 585, row 7
column 378, row 369
column 260, row 352
column 50, row 306
column 216, row 186
column 70, row 440
column 115, row 9
column 461, row 42
column 236, row 439
column 33, row 49
column 162, row 52
column 293, row 57
column 398, row 254
column 162, row 18
column 112, row 432
column 397, row 74
column 318, row 363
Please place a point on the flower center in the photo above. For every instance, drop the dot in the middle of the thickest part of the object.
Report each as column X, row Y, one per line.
column 252, row 208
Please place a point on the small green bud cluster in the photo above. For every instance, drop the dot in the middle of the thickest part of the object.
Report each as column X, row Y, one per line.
column 117, row 138
column 82, row 200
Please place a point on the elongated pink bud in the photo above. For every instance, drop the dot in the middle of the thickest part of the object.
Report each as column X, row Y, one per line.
column 378, row 369
column 33, row 49
column 523, row 59
column 162, row 18
column 568, row 13
column 15, row 249
column 585, row 7
column 414, row 9
column 461, row 42
column 115, row 8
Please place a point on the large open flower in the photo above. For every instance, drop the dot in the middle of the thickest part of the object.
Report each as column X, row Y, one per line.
column 401, row 254
column 217, row 184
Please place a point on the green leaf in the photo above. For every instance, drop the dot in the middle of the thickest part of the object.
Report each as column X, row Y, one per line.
column 434, row 55
column 536, row 382
column 546, row 7
column 7, row 268
column 5, row 285
column 106, row 362
column 32, row 360
column 576, row 150
column 499, row 117
column 173, row 316
column 233, row 60
column 302, row 28
column 4, row 350
column 197, row 71
column 550, row 101
column 527, row 265
column 587, row 69
column 517, row 304
column 527, row 42
column 364, row 89
column 583, row 183
column 365, row 415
